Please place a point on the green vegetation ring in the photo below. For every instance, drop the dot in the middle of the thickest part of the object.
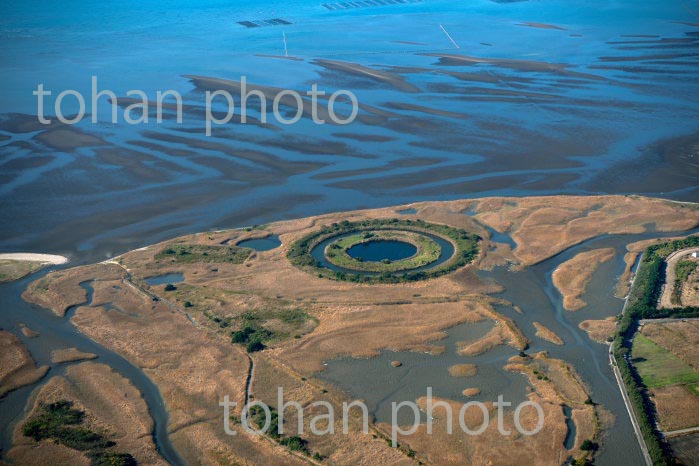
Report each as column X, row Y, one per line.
column 428, row 251
column 333, row 262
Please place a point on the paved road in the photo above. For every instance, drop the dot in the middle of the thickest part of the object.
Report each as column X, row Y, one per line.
column 625, row 394
column 675, row 433
column 672, row 259
column 667, row 320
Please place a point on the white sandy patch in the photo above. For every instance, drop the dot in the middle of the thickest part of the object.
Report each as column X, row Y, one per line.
column 32, row 257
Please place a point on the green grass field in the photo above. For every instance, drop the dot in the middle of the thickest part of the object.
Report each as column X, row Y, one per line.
column 657, row 366
column 428, row 251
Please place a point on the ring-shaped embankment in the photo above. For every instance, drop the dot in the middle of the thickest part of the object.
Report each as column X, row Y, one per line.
column 439, row 249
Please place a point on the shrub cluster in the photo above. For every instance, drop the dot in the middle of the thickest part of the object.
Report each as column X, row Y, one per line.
column 255, row 336
column 191, row 253
column 293, row 443
column 60, row 422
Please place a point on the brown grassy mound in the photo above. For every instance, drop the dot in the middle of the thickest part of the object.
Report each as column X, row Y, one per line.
column 599, row 330
column 690, row 289
column 27, row 332
column 463, row 370
column 17, row 367
column 547, row 334
column 572, row 277
column 69, row 355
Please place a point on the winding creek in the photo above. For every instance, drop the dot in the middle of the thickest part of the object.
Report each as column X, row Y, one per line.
column 58, row 332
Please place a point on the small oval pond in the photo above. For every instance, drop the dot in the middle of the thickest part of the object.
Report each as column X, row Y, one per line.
column 165, row 279
column 377, row 251
column 261, row 244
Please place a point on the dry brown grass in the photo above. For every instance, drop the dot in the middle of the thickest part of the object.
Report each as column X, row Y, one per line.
column 572, row 277
column 195, row 365
column 493, row 338
column 547, row 334
column 69, row 355
column 677, row 406
column 544, row 448
column 352, row 448
column 623, row 286
column 544, row 226
column 634, row 249
column 463, row 370
column 27, row 332
column 17, row 367
column 193, row 368
column 112, row 407
column 599, row 330
column 55, row 290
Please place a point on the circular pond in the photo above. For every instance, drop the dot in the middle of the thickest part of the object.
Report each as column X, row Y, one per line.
column 382, row 250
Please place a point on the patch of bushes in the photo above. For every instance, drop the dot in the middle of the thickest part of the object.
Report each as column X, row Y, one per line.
column 293, row 443
column 588, row 445
column 191, row 253
column 60, row 422
column 253, row 334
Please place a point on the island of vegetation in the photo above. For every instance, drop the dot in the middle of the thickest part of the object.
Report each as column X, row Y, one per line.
column 345, row 235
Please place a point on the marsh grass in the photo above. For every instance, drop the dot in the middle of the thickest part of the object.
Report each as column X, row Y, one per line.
column 14, row 270
column 193, row 253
